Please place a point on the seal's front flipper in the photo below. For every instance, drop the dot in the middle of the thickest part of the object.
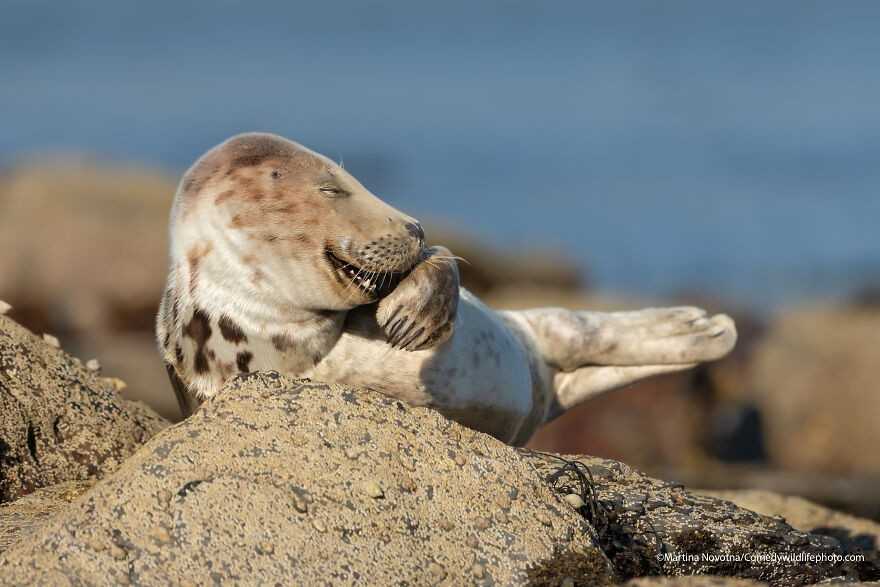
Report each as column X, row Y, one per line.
column 420, row 312
column 185, row 399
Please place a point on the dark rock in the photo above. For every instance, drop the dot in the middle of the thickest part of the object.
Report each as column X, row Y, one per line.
column 58, row 420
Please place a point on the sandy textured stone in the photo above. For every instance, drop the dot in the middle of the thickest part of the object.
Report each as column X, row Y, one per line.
column 650, row 527
column 693, row 581
column 23, row 516
column 807, row 516
column 59, row 421
column 256, row 487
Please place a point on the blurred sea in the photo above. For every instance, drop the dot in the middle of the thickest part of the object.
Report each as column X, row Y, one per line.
column 732, row 148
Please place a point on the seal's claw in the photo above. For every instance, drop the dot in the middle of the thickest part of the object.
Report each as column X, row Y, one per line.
column 420, row 312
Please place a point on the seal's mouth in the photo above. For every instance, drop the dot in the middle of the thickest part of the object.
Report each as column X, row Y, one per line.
column 373, row 284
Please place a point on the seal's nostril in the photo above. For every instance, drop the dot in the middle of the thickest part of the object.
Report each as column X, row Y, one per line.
column 415, row 229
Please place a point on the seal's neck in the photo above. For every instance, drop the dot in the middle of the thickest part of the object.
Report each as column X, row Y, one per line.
column 219, row 317
column 207, row 343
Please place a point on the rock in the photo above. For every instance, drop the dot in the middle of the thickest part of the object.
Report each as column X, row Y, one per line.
column 98, row 288
column 816, row 383
column 802, row 514
column 134, row 359
column 854, row 494
column 650, row 527
column 23, row 516
column 692, row 581
column 52, row 341
column 108, row 270
column 262, row 477
column 256, row 487
column 58, row 421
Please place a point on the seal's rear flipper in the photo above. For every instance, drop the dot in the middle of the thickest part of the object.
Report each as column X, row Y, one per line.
column 574, row 387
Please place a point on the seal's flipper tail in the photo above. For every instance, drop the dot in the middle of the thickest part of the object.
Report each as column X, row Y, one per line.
column 574, row 387
column 569, row 340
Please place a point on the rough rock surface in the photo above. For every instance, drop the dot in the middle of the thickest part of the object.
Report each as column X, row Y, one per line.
column 300, row 482
column 651, row 527
column 59, row 421
column 274, row 481
column 24, row 515
column 805, row 515
column 693, row 581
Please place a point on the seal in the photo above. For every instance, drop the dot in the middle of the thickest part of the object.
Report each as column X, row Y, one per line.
column 281, row 260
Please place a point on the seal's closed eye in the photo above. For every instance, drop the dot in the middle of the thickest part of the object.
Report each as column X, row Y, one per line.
column 333, row 191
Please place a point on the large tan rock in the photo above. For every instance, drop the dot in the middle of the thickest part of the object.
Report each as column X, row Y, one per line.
column 90, row 246
column 817, row 382
column 58, row 420
column 89, row 243
column 276, row 482
column 300, row 483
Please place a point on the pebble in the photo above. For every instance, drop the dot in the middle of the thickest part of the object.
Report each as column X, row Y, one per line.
column 353, row 452
column 478, row 570
column 446, row 525
column 319, row 525
column 117, row 552
column 93, row 365
column 544, row 519
column 4, row 307
column 52, row 341
column 574, row 500
column 436, row 572
column 265, row 547
column 408, row 484
column 160, row 535
column 406, row 463
column 502, row 500
column 96, row 544
column 372, row 489
column 501, row 518
column 567, row 582
column 300, row 504
column 115, row 382
column 482, row 523
column 460, row 460
column 472, row 541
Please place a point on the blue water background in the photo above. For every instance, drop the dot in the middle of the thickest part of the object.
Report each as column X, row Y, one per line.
column 730, row 147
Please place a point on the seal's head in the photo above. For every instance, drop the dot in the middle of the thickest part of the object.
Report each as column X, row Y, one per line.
column 269, row 219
